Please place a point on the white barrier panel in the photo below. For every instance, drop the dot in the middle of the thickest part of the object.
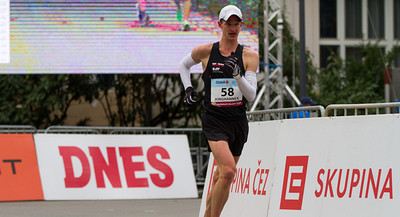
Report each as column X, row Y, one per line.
column 80, row 167
column 344, row 166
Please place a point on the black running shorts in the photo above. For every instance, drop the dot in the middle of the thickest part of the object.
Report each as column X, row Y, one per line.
column 232, row 131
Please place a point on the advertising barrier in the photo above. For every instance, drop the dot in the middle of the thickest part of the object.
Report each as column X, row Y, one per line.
column 251, row 187
column 80, row 167
column 19, row 172
column 342, row 166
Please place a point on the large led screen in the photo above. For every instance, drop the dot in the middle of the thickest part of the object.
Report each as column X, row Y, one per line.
column 4, row 31
column 120, row 36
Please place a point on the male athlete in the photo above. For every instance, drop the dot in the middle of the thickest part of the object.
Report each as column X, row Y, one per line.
column 229, row 83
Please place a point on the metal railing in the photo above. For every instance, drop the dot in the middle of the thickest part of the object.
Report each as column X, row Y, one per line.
column 7, row 129
column 198, row 149
column 360, row 109
column 104, row 130
column 284, row 113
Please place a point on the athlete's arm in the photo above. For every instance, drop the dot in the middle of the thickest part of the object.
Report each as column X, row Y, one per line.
column 184, row 70
column 248, row 84
column 199, row 54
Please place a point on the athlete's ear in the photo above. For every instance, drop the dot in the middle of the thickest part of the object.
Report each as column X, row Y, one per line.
column 219, row 23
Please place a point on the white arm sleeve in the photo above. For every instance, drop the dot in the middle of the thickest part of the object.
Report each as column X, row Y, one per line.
column 184, row 70
column 248, row 85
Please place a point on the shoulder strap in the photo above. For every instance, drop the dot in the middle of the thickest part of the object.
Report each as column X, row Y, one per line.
column 214, row 48
column 239, row 55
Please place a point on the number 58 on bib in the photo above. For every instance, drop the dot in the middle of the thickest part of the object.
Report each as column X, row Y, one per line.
column 225, row 92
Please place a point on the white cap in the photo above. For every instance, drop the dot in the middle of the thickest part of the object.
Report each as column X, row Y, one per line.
column 228, row 11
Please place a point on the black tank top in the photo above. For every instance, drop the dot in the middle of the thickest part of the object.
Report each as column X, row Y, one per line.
column 222, row 100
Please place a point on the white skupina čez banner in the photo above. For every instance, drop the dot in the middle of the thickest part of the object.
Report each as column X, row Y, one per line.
column 317, row 167
column 80, row 167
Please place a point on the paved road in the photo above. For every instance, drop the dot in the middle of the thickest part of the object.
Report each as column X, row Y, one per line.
column 114, row 208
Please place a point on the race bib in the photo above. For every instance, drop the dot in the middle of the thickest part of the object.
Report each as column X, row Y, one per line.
column 225, row 92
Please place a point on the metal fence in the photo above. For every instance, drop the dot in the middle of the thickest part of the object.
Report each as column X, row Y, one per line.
column 197, row 142
column 104, row 130
column 361, row 109
column 6, row 129
column 284, row 113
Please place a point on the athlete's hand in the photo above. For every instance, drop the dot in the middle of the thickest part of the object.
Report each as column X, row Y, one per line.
column 191, row 96
column 232, row 65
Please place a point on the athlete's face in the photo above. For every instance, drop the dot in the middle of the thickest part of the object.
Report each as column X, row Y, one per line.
column 231, row 28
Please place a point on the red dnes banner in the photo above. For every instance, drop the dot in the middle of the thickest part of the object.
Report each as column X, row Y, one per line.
column 317, row 167
column 115, row 166
column 19, row 173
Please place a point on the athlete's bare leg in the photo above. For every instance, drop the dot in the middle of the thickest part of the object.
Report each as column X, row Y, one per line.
column 187, row 4
column 223, row 177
